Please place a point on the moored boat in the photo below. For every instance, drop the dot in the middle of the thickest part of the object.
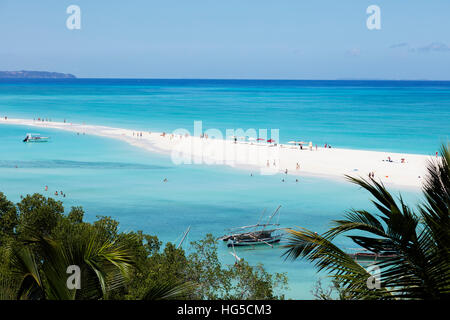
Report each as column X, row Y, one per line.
column 251, row 240
column 255, row 234
column 35, row 137
column 366, row 256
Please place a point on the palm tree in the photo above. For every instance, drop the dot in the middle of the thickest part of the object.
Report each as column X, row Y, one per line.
column 420, row 240
column 42, row 267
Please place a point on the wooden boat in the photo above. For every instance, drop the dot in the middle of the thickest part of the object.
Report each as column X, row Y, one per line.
column 365, row 256
column 35, row 137
column 254, row 234
column 252, row 240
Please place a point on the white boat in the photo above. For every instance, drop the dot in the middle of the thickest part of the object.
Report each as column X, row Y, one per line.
column 35, row 137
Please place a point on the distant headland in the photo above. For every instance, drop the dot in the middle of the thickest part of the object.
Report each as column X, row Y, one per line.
column 34, row 75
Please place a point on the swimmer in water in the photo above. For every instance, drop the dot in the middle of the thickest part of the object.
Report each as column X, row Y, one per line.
column 165, row 180
column 56, row 193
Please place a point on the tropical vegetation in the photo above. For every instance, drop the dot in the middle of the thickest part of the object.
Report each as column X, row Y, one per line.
column 417, row 238
column 41, row 247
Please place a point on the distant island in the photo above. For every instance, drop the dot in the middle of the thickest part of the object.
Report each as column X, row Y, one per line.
column 34, row 75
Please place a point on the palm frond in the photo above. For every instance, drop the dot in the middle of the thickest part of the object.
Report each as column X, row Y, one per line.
column 170, row 290
column 328, row 257
column 419, row 244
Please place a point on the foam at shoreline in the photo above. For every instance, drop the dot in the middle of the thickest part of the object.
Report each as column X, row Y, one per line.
column 258, row 157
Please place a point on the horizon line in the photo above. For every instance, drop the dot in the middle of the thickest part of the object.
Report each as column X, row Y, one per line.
column 229, row 79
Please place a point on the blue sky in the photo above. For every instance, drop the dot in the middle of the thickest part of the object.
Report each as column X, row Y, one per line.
column 257, row 39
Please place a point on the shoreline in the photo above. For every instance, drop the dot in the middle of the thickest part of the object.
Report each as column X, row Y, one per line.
column 268, row 159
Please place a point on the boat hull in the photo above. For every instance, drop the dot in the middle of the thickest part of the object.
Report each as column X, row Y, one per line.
column 242, row 243
column 36, row 141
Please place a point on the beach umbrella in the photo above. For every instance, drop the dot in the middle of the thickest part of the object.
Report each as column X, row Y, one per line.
column 270, row 140
column 260, row 139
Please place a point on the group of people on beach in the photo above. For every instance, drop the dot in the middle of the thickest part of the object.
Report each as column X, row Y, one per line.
column 42, row 119
column 180, row 136
column 389, row 159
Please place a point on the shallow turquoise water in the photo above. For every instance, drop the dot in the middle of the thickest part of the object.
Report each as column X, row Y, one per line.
column 109, row 177
column 379, row 115
column 112, row 178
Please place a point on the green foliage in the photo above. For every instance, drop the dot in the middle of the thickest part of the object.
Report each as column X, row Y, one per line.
column 418, row 240
column 238, row 281
column 335, row 291
column 39, row 214
column 8, row 217
column 38, row 242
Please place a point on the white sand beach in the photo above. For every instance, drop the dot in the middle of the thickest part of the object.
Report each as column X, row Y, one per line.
column 260, row 158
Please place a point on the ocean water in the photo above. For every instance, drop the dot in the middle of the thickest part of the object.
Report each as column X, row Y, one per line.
column 410, row 116
column 109, row 177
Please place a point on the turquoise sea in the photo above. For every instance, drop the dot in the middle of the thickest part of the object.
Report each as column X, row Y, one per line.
column 109, row 177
